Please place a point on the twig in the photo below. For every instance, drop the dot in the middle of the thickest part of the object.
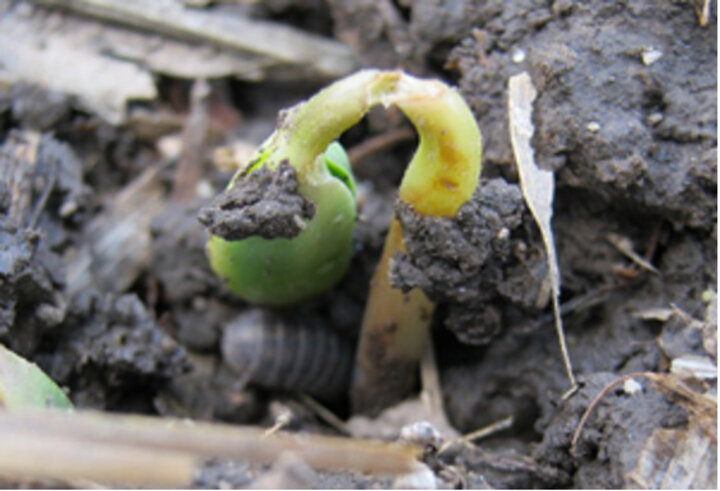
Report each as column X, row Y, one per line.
column 30, row 454
column 538, row 189
column 670, row 385
column 480, row 433
column 431, row 395
column 605, row 390
column 325, row 414
column 490, row 429
column 653, row 241
column 624, row 246
column 281, row 422
column 702, row 11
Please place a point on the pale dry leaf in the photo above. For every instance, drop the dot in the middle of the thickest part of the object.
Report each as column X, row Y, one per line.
column 266, row 45
column 102, row 85
column 117, row 241
column 694, row 366
column 677, row 459
column 537, row 185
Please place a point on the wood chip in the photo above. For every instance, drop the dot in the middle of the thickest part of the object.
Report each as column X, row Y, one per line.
column 676, row 459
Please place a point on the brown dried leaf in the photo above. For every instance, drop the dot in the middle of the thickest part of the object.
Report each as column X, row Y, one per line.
column 702, row 407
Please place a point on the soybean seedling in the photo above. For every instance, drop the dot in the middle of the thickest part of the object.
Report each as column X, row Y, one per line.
column 441, row 177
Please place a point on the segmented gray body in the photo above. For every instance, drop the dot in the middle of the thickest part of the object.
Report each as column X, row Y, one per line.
column 277, row 352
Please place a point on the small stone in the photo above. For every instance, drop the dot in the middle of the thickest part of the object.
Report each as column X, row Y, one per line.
column 68, row 208
column 203, row 189
column 632, row 387
column 518, row 56
column 503, row 234
column 170, row 146
column 593, row 126
column 650, row 56
column 701, row 367
column 654, row 119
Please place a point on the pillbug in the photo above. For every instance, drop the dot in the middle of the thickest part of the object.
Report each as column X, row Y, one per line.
column 272, row 351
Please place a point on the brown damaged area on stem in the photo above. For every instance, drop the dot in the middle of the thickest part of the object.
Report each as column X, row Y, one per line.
column 442, row 183
column 445, row 169
column 395, row 330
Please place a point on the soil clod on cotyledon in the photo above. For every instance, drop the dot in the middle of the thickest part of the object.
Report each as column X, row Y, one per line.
column 264, row 203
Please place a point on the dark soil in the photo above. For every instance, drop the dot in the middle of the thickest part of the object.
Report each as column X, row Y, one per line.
column 625, row 117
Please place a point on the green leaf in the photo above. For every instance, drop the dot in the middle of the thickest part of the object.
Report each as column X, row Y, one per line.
column 24, row 386
column 338, row 164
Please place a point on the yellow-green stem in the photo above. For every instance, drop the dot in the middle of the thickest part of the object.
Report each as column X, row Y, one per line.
column 441, row 177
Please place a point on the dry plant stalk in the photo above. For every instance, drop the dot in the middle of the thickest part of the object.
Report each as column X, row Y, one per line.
column 148, row 451
column 277, row 44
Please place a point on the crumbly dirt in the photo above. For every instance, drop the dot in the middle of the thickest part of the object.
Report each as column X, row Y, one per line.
column 475, row 262
column 609, row 117
column 625, row 117
column 111, row 351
